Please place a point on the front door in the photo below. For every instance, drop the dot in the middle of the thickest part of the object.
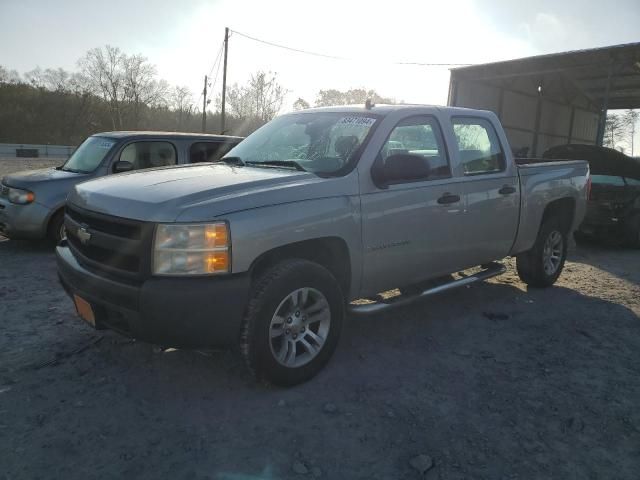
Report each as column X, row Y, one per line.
column 411, row 230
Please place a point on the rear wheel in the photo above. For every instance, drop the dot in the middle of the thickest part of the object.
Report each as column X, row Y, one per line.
column 542, row 265
column 292, row 323
column 56, row 231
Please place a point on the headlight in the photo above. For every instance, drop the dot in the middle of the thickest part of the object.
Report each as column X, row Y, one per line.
column 21, row 197
column 200, row 249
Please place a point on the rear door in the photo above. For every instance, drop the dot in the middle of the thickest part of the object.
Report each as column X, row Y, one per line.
column 491, row 190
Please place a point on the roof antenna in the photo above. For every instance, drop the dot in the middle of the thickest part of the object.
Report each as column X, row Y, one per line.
column 368, row 104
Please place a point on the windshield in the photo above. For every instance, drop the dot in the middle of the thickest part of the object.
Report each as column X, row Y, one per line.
column 88, row 155
column 318, row 142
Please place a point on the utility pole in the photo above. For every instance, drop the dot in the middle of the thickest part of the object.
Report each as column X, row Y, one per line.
column 204, row 106
column 224, row 80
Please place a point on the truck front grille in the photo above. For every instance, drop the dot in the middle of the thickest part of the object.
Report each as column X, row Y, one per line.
column 117, row 246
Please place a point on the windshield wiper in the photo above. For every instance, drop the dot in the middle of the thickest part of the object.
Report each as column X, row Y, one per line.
column 280, row 163
column 232, row 160
column 72, row 170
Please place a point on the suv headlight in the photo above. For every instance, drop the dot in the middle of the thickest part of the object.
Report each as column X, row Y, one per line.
column 21, row 197
column 198, row 249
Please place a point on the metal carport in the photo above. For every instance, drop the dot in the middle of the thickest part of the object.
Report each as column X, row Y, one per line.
column 555, row 99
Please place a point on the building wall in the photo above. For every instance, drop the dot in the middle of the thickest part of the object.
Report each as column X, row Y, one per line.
column 519, row 112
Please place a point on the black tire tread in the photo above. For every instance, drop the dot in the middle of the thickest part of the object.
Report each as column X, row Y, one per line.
column 528, row 265
column 255, row 304
column 54, row 226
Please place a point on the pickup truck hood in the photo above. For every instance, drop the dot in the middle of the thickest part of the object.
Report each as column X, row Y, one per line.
column 29, row 179
column 195, row 192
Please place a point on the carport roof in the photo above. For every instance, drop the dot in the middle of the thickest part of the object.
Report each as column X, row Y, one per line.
column 597, row 73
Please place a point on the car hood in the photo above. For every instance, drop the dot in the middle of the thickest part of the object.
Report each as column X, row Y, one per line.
column 196, row 192
column 30, row 178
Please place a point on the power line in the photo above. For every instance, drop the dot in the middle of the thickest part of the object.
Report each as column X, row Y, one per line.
column 335, row 57
column 217, row 58
column 289, row 48
column 215, row 62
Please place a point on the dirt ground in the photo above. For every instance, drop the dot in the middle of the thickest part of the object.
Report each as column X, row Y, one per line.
column 491, row 381
column 10, row 165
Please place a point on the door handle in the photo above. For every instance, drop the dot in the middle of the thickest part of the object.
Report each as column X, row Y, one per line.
column 448, row 198
column 507, row 190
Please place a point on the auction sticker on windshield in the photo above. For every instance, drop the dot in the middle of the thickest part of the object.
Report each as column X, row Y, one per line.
column 106, row 145
column 356, row 120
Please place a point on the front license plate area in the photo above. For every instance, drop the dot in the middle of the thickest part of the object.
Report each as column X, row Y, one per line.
column 84, row 310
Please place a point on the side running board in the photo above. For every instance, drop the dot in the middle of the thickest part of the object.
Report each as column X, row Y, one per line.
column 490, row 270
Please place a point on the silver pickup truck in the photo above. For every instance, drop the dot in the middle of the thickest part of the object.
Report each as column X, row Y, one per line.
column 271, row 247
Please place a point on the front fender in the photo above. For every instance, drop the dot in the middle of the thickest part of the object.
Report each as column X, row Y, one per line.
column 257, row 231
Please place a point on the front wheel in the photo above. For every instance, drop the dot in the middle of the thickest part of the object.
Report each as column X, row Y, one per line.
column 56, row 231
column 542, row 265
column 292, row 323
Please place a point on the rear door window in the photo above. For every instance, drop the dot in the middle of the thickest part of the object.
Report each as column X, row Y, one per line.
column 478, row 146
column 149, row 154
column 209, row 151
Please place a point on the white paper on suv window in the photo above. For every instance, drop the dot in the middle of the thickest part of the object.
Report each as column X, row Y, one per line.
column 356, row 120
column 106, row 145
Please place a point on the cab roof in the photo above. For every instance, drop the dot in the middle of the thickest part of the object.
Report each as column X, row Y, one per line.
column 383, row 109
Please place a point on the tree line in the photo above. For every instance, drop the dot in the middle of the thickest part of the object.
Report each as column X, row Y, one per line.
column 112, row 90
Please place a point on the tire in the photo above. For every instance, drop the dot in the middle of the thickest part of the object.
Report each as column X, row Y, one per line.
column 533, row 266
column 55, row 231
column 282, row 303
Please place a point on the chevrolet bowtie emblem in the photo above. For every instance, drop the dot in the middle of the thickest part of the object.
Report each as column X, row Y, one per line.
column 83, row 235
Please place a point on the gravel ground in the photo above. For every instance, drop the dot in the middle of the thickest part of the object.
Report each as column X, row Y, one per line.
column 10, row 165
column 491, row 381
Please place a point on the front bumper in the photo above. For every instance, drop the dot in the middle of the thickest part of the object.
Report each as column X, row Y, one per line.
column 176, row 312
column 23, row 221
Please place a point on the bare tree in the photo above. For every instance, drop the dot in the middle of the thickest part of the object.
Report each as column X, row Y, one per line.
column 301, row 104
column 141, row 87
column 181, row 102
column 330, row 97
column 53, row 79
column 9, row 76
column 630, row 120
column 104, row 73
column 613, row 130
column 261, row 98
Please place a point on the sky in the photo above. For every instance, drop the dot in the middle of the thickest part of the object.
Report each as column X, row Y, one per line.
column 183, row 37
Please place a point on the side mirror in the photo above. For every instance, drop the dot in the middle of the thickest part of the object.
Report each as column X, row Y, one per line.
column 122, row 166
column 399, row 168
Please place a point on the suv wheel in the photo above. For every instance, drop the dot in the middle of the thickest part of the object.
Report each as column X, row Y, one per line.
column 542, row 265
column 56, row 231
column 292, row 323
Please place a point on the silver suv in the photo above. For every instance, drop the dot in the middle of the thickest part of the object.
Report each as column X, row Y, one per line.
column 32, row 202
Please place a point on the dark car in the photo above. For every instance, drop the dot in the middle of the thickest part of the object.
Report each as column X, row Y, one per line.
column 613, row 210
column 32, row 202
